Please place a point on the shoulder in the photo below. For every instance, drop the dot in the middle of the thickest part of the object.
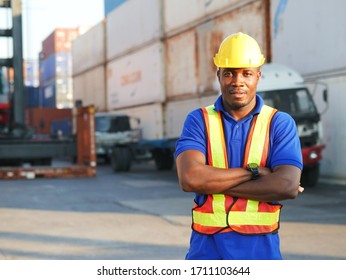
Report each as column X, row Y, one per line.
column 282, row 119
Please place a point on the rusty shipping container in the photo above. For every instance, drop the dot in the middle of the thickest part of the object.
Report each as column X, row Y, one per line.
column 137, row 78
column 178, row 15
column 190, row 71
column 59, row 41
column 41, row 118
column 89, row 50
column 90, row 88
column 133, row 25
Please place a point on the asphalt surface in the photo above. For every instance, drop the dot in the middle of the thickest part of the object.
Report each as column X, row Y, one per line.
column 143, row 215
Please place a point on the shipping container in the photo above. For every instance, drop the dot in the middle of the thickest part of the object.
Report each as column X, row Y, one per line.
column 132, row 25
column 57, row 92
column 190, row 70
column 31, row 73
column 136, row 79
column 59, row 41
column 110, row 5
column 47, row 95
column 61, row 128
column 313, row 47
column 178, row 15
column 176, row 111
column 333, row 118
column 32, row 95
column 90, row 88
column 56, row 65
column 316, row 49
column 89, row 50
column 150, row 117
column 41, row 118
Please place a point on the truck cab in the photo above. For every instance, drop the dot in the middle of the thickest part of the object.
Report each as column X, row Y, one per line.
column 115, row 131
column 284, row 89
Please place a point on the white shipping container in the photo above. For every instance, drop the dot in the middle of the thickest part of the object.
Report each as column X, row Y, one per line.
column 333, row 121
column 90, row 87
column 309, row 35
column 176, row 112
column 89, row 49
column 132, row 25
column 151, row 119
column 190, row 70
column 136, row 79
column 182, row 13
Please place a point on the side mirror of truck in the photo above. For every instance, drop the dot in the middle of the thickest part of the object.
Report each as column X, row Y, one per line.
column 325, row 95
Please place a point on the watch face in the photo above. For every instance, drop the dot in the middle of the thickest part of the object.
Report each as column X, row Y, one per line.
column 253, row 165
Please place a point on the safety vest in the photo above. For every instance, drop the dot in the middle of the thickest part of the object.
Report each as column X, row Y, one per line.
column 221, row 213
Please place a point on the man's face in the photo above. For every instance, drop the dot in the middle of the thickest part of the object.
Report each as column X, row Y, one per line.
column 238, row 87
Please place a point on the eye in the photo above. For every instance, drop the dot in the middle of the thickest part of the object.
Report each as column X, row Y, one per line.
column 247, row 74
column 227, row 74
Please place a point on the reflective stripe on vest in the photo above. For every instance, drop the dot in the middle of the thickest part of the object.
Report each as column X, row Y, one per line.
column 222, row 212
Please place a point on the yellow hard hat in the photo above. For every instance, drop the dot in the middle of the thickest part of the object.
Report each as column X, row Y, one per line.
column 239, row 50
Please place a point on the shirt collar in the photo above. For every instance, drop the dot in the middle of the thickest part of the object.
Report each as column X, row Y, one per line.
column 259, row 103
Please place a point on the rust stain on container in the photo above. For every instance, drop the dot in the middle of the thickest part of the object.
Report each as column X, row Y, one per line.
column 131, row 78
column 216, row 38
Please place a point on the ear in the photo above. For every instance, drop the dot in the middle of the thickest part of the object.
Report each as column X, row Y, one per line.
column 218, row 73
column 259, row 75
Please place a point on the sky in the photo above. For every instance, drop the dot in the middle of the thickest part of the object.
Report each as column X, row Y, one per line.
column 41, row 17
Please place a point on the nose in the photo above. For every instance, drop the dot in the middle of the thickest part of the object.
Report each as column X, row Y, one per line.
column 237, row 79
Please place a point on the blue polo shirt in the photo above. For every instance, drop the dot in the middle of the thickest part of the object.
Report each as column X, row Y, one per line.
column 284, row 149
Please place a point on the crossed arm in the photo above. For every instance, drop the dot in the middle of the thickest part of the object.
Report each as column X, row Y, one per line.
column 283, row 182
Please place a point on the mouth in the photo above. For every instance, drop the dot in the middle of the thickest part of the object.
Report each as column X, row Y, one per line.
column 237, row 93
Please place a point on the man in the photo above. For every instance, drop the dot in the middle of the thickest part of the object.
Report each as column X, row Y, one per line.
column 240, row 157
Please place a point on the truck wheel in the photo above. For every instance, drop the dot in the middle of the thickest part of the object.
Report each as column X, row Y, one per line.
column 121, row 159
column 163, row 159
column 310, row 176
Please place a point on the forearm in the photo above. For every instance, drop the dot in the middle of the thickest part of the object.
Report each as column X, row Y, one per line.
column 275, row 186
column 205, row 179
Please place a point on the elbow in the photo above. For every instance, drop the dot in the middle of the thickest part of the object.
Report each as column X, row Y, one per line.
column 190, row 181
column 290, row 189
column 187, row 184
column 293, row 194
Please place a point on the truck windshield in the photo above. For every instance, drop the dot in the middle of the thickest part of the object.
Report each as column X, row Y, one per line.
column 112, row 124
column 296, row 102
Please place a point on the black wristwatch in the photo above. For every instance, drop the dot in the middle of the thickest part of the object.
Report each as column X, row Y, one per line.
column 253, row 168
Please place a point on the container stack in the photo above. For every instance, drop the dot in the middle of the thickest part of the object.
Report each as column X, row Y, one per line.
column 159, row 63
column 56, row 69
column 89, row 67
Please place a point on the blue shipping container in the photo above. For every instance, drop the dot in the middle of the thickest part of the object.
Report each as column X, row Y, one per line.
column 32, row 95
column 48, row 94
column 61, row 128
column 56, row 65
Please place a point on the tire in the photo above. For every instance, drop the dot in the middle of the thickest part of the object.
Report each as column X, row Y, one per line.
column 163, row 159
column 310, row 176
column 121, row 158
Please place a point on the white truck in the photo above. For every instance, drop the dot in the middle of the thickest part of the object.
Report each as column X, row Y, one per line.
column 284, row 89
column 119, row 142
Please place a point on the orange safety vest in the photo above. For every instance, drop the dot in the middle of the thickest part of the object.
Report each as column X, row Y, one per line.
column 222, row 213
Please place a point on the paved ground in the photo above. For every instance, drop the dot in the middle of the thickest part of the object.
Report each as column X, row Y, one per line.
column 142, row 215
